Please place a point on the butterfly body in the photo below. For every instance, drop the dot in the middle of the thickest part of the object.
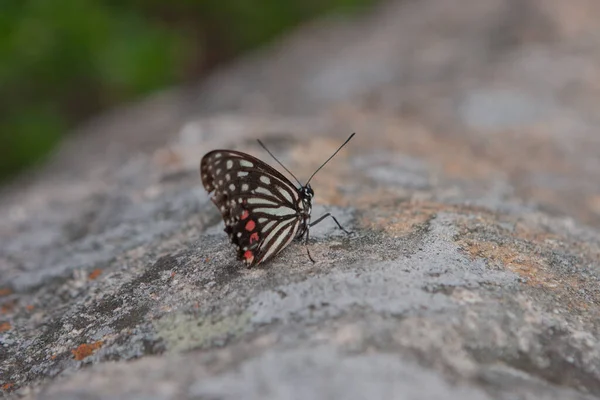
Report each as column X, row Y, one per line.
column 262, row 210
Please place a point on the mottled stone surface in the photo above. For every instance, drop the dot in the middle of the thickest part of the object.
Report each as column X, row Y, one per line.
column 472, row 186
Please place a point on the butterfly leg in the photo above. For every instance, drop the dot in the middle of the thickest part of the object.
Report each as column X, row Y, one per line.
column 325, row 216
column 308, row 251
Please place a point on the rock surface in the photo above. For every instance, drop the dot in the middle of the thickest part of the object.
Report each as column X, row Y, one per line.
column 473, row 188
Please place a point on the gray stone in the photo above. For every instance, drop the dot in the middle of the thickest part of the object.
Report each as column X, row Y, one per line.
column 471, row 188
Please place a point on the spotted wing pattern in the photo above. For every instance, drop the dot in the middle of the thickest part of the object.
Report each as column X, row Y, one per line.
column 261, row 208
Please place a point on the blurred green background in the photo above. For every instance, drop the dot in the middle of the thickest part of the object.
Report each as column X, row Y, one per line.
column 62, row 61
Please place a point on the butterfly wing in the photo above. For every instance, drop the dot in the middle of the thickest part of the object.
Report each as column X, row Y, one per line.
column 259, row 205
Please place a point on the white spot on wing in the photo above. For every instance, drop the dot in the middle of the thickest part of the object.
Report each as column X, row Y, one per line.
column 245, row 187
column 285, row 194
column 229, row 164
column 263, row 190
column 258, row 200
column 279, row 238
column 265, row 179
column 227, row 177
column 218, row 155
column 291, row 237
column 272, row 234
column 246, row 163
column 242, row 173
column 276, row 211
column 232, row 187
column 268, row 226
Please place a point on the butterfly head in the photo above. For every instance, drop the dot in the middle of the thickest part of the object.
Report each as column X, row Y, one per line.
column 307, row 192
column 305, row 202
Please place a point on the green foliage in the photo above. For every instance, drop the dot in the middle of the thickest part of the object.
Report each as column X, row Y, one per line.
column 63, row 60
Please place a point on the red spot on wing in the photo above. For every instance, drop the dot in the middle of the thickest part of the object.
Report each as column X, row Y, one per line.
column 248, row 256
column 250, row 226
column 254, row 237
column 245, row 214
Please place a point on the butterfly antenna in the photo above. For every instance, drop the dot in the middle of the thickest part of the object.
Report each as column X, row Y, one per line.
column 278, row 162
column 333, row 155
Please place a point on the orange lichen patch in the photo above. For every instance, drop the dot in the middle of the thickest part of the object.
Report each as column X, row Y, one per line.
column 95, row 274
column 510, row 251
column 8, row 387
column 550, row 240
column 380, row 197
column 529, row 253
column 532, row 235
column 459, row 156
column 85, row 350
column 29, row 307
column 5, row 326
column 7, row 307
column 529, row 266
column 458, row 152
column 469, row 155
column 401, row 218
column 5, row 292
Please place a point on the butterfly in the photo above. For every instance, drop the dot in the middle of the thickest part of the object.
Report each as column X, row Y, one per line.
column 262, row 210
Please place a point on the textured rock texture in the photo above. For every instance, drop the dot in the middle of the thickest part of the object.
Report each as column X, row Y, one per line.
column 473, row 188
